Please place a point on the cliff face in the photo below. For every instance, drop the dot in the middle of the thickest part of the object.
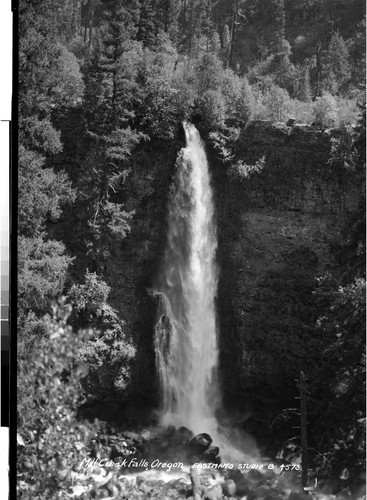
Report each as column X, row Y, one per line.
column 133, row 263
column 132, row 270
column 277, row 231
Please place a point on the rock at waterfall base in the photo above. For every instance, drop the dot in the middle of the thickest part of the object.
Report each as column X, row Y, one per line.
column 215, row 493
column 229, row 488
column 199, row 444
column 210, row 454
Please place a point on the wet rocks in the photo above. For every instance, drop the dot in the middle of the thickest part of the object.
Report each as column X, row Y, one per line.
column 199, row 444
column 210, row 454
column 180, row 485
column 255, row 476
column 115, row 447
column 214, row 493
column 243, row 484
column 199, row 450
column 229, row 488
column 182, row 436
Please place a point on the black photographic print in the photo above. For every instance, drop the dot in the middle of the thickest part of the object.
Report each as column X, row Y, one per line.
column 190, row 252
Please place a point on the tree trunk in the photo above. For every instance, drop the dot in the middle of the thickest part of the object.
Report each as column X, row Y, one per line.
column 233, row 31
column 191, row 29
column 318, row 69
column 91, row 22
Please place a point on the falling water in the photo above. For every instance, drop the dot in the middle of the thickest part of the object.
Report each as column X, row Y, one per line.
column 186, row 335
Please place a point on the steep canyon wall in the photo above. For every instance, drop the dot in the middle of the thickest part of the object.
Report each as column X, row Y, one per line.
column 277, row 231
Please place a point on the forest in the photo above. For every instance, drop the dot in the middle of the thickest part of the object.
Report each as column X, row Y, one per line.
column 104, row 86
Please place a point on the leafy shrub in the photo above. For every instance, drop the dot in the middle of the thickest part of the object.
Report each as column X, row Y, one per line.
column 42, row 268
column 168, row 97
column 40, row 134
column 51, row 443
column 42, row 193
column 209, row 74
column 243, row 170
column 277, row 103
column 69, row 89
column 347, row 111
column 239, row 99
column 223, row 141
column 340, row 380
column 301, row 111
column 167, row 106
column 212, row 109
column 343, row 152
column 325, row 110
column 88, row 299
column 31, row 331
column 109, row 353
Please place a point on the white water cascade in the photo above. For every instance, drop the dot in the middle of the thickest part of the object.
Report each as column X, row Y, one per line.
column 186, row 334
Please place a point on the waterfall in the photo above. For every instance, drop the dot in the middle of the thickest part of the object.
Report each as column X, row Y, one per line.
column 186, row 334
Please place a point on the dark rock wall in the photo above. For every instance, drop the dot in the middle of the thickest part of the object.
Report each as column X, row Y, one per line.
column 134, row 264
column 277, row 230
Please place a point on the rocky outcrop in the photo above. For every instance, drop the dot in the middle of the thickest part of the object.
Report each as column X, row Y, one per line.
column 277, row 230
column 133, row 267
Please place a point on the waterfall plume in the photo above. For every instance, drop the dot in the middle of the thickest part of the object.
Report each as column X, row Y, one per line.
column 186, row 333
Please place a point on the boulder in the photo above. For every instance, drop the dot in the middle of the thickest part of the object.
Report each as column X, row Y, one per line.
column 210, row 454
column 214, row 493
column 145, row 488
column 184, row 434
column 255, row 476
column 170, row 430
column 181, row 437
column 139, row 480
column 229, row 488
column 235, row 475
column 199, row 444
column 243, row 489
column 179, row 485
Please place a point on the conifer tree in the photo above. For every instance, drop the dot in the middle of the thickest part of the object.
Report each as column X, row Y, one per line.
column 147, row 24
column 167, row 13
column 112, row 92
column 236, row 18
column 336, row 67
column 50, row 82
column 276, row 12
column 305, row 93
column 194, row 22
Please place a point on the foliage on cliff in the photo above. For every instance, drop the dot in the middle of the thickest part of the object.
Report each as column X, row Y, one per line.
column 340, row 383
